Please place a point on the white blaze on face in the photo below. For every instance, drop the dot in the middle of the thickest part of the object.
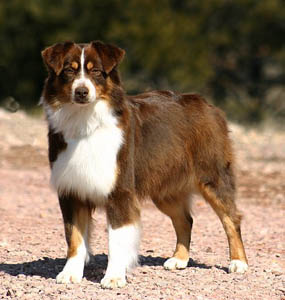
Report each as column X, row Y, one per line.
column 83, row 81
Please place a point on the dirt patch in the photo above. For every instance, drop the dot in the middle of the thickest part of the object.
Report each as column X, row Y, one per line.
column 32, row 245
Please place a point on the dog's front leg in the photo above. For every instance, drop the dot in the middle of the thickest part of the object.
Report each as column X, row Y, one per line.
column 123, row 215
column 77, row 218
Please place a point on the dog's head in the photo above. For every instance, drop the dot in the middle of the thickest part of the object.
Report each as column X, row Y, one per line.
column 80, row 73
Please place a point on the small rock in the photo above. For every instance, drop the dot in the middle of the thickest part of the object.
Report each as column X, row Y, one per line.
column 277, row 273
column 42, row 215
column 19, row 294
column 9, row 293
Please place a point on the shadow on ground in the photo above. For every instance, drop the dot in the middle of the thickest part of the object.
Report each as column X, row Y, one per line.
column 49, row 267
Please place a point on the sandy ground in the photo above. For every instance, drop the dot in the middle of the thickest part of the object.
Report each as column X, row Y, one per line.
column 32, row 244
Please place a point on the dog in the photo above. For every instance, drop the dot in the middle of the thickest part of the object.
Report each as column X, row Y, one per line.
column 111, row 150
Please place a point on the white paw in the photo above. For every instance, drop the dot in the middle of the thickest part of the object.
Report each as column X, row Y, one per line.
column 113, row 282
column 237, row 266
column 69, row 276
column 175, row 263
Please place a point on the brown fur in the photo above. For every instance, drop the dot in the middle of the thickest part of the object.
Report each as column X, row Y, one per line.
column 77, row 220
column 174, row 145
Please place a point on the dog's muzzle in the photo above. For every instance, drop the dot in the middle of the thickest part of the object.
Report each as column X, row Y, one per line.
column 81, row 95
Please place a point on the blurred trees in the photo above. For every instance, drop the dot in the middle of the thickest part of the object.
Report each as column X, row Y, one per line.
column 230, row 51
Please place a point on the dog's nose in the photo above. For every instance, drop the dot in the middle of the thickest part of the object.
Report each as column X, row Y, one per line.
column 81, row 92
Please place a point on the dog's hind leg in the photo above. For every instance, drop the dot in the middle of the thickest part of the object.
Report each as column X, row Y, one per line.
column 177, row 208
column 221, row 199
column 77, row 218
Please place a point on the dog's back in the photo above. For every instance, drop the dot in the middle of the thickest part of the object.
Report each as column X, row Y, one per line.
column 181, row 141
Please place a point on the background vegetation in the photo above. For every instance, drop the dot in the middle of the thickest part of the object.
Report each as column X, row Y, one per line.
column 233, row 52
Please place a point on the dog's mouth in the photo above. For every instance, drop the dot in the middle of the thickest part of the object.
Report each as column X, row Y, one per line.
column 81, row 101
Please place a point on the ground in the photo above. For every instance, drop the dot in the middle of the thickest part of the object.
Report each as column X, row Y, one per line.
column 32, row 244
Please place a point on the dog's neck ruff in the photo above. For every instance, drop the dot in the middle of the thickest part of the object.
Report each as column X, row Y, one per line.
column 88, row 166
column 75, row 121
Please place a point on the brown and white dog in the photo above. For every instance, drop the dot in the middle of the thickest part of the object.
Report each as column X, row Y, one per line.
column 107, row 149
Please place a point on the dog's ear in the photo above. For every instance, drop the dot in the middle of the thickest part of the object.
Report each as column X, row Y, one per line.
column 110, row 55
column 53, row 56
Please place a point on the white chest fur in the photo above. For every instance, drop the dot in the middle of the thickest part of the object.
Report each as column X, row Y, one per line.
column 88, row 166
